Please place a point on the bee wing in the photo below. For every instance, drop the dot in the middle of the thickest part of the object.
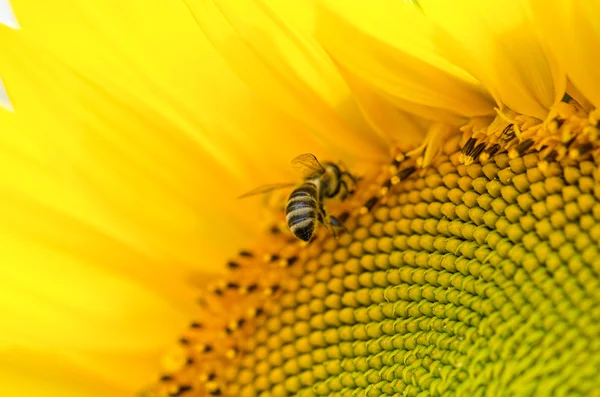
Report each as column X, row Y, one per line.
column 267, row 188
column 309, row 165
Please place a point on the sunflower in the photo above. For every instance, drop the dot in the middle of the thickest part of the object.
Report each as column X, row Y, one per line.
column 468, row 260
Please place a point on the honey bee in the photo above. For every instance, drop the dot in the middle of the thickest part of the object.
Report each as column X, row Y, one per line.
column 304, row 208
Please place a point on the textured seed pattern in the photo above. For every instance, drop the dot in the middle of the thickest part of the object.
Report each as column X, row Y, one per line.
column 463, row 280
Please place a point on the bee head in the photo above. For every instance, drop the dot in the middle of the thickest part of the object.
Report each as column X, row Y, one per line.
column 331, row 179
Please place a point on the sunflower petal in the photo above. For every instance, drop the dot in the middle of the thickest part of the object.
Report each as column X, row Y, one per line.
column 56, row 298
column 388, row 45
column 393, row 124
column 300, row 13
column 157, row 52
column 573, row 33
column 160, row 135
column 119, row 195
column 498, row 44
column 288, row 68
column 35, row 372
column 87, row 161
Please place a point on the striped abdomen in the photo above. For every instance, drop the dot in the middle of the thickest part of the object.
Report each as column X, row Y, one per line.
column 301, row 211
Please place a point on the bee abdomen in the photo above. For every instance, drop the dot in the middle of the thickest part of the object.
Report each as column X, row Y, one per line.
column 301, row 212
column 308, row 189
column 303, row 229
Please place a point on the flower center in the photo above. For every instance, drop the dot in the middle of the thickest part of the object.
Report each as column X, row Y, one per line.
column 475, row 274
column 567, row 129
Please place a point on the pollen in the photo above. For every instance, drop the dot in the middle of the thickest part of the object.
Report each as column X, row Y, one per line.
column 476, row 275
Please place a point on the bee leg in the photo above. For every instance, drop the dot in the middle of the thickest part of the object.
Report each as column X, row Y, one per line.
column 349, row 182
column 333, row 221
column 336, row 223
column 328, row 221
column 345, row 191
column 334, row 232
column 322, row 217
column 355, row 179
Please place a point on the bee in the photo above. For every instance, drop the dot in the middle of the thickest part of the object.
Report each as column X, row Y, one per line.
column 320, row 182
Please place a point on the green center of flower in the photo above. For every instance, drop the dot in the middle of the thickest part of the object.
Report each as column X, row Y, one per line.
column 477, row 275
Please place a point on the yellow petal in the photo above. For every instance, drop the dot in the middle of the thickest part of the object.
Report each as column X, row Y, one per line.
column 300, row 13
column 60, row 296
column 121, row 193
column 168, row 147
column 30, row 373
column 389, row 46
column 573, row 33
column 137, row 42
column 113, row 168
column 288, row 68
column 496, row 42
column 393, row 124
